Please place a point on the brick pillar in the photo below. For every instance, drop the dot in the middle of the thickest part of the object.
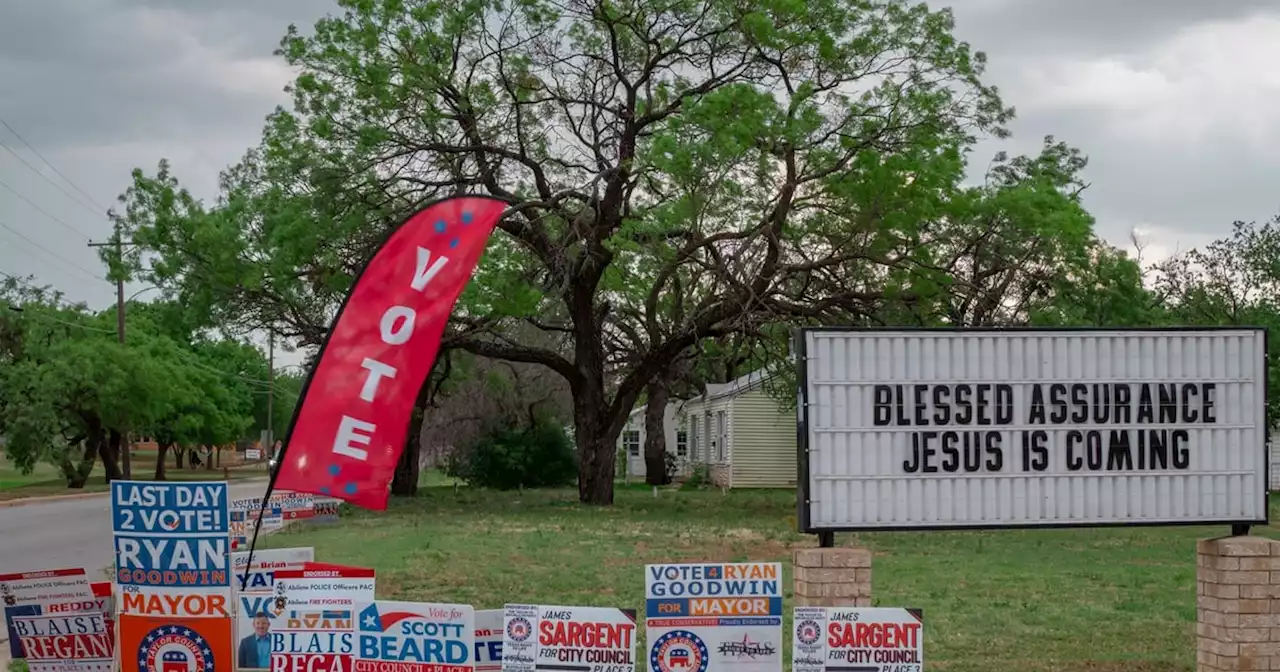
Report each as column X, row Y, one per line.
column 833, row 577
column 1237, row 604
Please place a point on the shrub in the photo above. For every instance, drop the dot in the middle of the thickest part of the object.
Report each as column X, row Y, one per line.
column 510, row 456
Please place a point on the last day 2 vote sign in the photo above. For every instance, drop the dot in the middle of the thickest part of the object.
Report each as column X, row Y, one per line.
column 173, row 575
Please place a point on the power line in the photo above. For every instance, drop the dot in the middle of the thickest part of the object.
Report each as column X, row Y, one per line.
column 35, row 151
column 43, row 211
column 44, row 177
column 46, row 250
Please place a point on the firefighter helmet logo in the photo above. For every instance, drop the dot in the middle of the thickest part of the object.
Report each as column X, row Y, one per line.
column 174, row 648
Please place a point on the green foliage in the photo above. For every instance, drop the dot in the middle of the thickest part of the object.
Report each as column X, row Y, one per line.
column 514, row 455
column 67, row 384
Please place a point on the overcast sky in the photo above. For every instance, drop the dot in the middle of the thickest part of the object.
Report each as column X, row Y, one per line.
column 1173, row 101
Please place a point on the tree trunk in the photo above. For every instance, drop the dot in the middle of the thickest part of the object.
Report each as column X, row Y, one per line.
column 597, row 452
column 404, row 483
column 109, row 451
column 655, row 435
column 179, row 456
column 162, row 451
column 77, row 475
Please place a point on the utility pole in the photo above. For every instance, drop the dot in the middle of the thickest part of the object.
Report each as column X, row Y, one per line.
column 271, row 390
column 126, row 466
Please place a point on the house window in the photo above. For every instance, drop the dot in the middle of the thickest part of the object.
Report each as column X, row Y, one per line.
column 682, row 444
column 695, row 439
column 712, row 448
column 631, row 442
column 722, row 432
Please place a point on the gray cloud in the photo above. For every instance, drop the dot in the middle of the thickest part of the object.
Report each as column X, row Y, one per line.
column 102, row 86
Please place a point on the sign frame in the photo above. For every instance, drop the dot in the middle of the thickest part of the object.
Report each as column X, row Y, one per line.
column 825, row 533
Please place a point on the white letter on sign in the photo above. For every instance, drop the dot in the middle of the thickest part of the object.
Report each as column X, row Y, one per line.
column 377, row 371
column 348, row 434
column 424, row 274
column 391, row 335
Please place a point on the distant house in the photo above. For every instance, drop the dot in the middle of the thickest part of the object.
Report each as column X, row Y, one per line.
column 735, row 430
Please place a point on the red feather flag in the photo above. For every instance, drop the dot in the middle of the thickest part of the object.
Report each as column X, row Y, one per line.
column 349, row 427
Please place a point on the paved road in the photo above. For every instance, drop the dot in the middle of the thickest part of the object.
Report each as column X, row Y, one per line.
column 69, row 533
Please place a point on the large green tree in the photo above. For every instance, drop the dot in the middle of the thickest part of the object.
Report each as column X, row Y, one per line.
column 791, row 151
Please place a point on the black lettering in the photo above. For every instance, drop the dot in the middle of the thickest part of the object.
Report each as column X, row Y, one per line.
column 1145, row 411
column 950, row 453
column 973, row 451
column 1004, row 404
column 1093, row 449
column 1189, row 414
column 1074, row 461
column 1058, row 397
column 1157, row 448
column 1119, row 452
column 1080, row 400
column 928, row 452
column 1181, row 451
column 1123, row 411
column 964, row 400
column 899, row 406
column 995, row 454
column 919, row 395
column 912, row 464
column 1101, row 403
column 881, row 413
column 984, row 404
column 1039, row 450
column 1168, row 402
column 1208, row 392
column 941, row 405
column 1037, row 414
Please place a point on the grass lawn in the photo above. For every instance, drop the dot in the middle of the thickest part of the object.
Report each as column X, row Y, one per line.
column 46, row 480
column 1072, row 600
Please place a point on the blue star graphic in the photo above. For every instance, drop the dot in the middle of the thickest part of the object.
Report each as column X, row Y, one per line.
column 334, row 470
column 466, row 217
column 440, row 226
column 350, row 488
column 453, row 243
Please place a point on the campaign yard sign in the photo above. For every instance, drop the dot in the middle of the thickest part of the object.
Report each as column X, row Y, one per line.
column 568, row 639
column 71, row 642
column 256, row 607
column 30, row 589
column 323, row 585
column 295, row 505
column 325, row 510
column 874, row 639
column 415, row 637
column 173, row 574
column 100, row 603
column 313, row 640
column 489, row 640
column 714, row 616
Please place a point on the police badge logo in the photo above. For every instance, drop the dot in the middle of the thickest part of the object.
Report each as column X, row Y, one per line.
column 174, row 648
column 281, row 600
column 519, row 629
column 679, row 651
column 7, row 593
column 808, row 632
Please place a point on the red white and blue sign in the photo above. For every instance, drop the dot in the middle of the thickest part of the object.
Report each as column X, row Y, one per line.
column 175, row 648
column 416, row 636
column 679, row 651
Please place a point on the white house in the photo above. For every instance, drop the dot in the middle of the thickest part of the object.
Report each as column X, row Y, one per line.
column 735, row 430
column 633, row 436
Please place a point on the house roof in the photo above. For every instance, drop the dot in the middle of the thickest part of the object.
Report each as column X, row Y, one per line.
column 738, row 385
